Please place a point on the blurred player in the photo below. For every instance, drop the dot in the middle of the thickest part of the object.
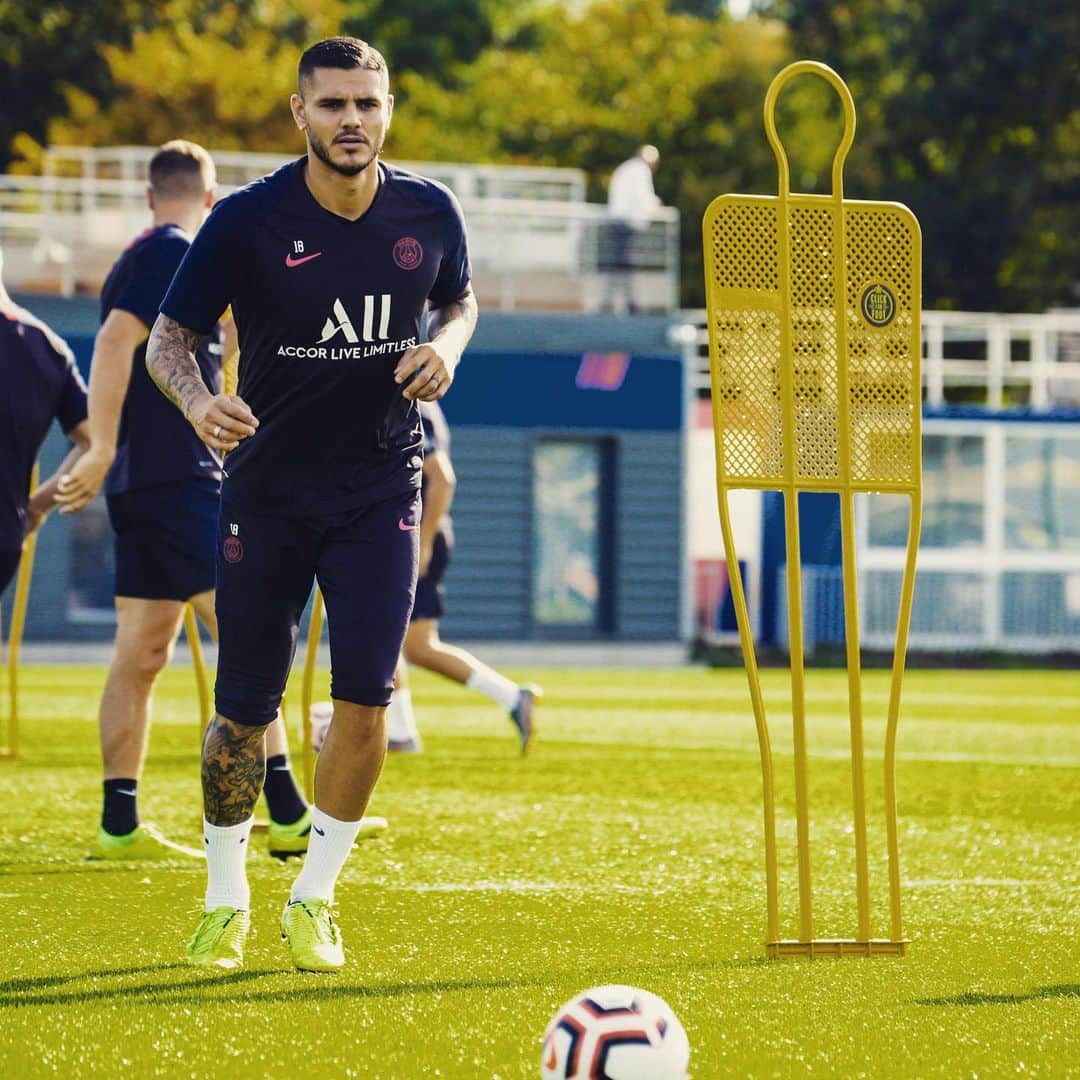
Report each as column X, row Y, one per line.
column 423, row 645
column 41, row 383
column 162, row 486
column 327, row 265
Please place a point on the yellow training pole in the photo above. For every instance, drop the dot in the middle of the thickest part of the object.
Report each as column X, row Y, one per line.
column 307, row 751
column 202, row 683
column 18, row 622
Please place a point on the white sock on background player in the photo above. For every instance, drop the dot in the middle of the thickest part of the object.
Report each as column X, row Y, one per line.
column 226, row 864
column 485, row 680
column 400, row 718
column 328, row 848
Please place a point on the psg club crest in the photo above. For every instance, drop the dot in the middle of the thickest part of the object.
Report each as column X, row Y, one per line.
column 234, row 549
column 408, row 254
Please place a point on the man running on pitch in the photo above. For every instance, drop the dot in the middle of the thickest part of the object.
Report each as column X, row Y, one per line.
column 327, row 264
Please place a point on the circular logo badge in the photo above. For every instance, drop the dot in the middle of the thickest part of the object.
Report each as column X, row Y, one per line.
column 408, row 253
column 878, row 305
column 234, row 550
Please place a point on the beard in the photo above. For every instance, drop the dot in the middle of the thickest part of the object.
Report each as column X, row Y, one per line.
column 355, row 168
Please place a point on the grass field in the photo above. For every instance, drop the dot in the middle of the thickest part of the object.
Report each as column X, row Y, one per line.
column 627, row 849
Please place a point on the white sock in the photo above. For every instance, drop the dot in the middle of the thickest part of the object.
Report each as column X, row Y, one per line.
column 328, row 848
column 400, row 718
column 226, row 859
column 495, row 686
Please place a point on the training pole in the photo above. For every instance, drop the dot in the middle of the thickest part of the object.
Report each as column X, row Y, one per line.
column 814, row 310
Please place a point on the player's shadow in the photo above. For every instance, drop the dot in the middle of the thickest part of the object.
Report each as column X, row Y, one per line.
column 972, row 997
column 24, row 993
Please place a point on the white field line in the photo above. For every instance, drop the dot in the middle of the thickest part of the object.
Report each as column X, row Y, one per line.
column 828, row 754
column 981, row 883
column 1065, row 704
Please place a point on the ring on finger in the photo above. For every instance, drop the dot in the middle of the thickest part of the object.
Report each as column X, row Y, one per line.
column 217, row 431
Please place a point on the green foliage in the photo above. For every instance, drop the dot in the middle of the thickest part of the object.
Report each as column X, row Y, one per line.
column 221, row 76
column 970, row 114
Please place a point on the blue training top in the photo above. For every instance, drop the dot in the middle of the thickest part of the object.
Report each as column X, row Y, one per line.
column 324, row 309
column 41, row 383
column 156, row 445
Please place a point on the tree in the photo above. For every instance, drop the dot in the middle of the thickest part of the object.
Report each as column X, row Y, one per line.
column 220, row 75
column 44, row 48
column 968, row 113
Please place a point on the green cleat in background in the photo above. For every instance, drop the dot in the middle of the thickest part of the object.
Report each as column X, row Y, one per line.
column 145, row 842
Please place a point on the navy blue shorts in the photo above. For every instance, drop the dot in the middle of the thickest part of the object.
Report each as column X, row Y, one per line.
column 430, row 594
column 365, row 563
column 9, row 563
column 165, row 539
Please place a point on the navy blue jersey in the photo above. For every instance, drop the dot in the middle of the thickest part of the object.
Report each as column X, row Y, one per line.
column 324, row 308
column 41, row 383
column 156, row 445
column 436, row 438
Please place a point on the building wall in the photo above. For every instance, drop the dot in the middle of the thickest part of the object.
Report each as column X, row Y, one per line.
column 504, row 405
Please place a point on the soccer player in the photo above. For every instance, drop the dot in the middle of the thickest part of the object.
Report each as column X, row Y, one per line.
column 162, row 486
column 327, row 265
column 41, row 383
column 423, row 646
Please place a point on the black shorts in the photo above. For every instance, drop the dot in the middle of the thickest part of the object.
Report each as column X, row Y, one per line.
column 430, row 594
column 365, row 563
column 9, row 563
column 165, row 539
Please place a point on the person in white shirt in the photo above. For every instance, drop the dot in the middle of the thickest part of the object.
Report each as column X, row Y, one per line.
column 631, row 204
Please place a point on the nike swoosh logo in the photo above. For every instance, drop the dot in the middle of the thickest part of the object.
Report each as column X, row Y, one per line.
column 406, row 528
column 318, row 830
column 290, row 262
column 121, row 791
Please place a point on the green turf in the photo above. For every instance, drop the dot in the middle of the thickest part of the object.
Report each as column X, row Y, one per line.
column 627, row 849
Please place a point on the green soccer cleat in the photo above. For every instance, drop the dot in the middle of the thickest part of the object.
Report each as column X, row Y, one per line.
column 145, row 843
column 219, row 939
column 314, row 940
column 286, row 840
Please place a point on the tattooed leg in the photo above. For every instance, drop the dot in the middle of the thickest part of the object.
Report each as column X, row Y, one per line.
column 233, row 770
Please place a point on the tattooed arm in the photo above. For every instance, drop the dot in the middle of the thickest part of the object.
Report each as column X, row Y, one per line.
column 451, row 328
column 220, row 420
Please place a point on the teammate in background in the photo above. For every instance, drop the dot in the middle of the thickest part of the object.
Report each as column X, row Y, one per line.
column 327, row 265
column 423, row 645
column 162, row 486
column 632, row 201
column 41, row 383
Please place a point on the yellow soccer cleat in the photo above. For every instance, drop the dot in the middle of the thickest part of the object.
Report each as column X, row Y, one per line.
column 219, row 939
column 314, row 939
column 145, row 843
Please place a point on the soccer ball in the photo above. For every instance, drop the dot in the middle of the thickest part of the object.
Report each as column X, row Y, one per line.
column 321, row 714
column 615, row 1033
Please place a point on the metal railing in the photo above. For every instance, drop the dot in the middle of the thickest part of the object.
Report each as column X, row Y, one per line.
column 62, row 233
column 236, row 168
column 980, row 358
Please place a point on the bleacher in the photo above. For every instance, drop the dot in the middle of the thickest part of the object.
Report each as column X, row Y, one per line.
column 536, row 243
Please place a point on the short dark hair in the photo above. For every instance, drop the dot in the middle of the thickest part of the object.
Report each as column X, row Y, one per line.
column 181, row 169
column 345, row 53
